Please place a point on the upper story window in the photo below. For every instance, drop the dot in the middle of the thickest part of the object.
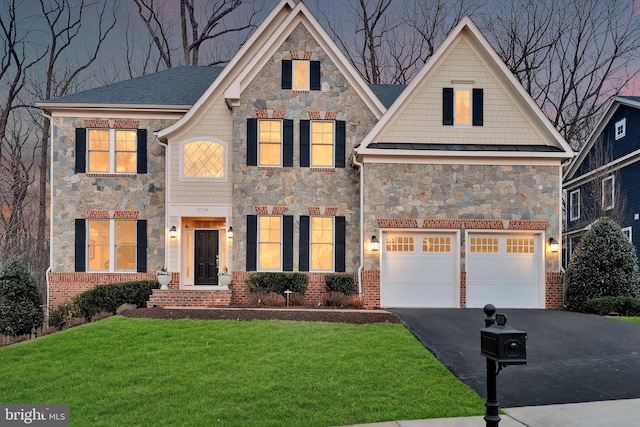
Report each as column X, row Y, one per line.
column 608, row 192
column 322, row 140
column 621, row 128
column 322, row 143
column 111, row 151
column 463, row 106
column 301, row 75
column 270, row 143
column 203, row 159
column 574, row 205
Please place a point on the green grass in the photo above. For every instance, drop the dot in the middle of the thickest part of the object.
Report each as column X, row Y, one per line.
column 628, row 319
column 142, row 372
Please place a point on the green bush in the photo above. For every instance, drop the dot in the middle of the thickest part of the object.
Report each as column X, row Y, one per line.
column 340, row 283
column 20, row 300
column 59, row 316
column 111, row 296
column 277, row 282
column 620, row 306
column 603, row 264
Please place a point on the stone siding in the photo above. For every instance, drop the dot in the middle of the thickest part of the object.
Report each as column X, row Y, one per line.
column 294, row 190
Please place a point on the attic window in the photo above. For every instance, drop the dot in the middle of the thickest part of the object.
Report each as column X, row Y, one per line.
column 301, row 75
column 621, row 128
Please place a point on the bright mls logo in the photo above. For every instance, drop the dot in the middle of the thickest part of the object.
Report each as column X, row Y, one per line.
column 35, row 415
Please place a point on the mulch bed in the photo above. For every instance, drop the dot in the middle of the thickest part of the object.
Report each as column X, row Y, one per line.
column 311, row 315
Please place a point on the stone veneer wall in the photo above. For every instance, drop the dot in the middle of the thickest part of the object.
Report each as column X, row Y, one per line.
column 294, row 190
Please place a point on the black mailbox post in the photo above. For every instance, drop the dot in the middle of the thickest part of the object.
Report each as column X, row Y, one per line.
column 502, row 346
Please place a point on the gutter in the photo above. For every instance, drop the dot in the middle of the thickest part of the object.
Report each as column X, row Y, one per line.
column 360, row 167
column 166, row 199
column 46, row 274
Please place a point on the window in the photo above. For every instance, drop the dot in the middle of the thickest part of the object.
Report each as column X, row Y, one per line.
column 269, row 142
column 574, row 205
column 621, row 128
column 483, row 245
column 203, row 160
column 269, row 243
column 608, row 192
column 520, row 245
column 436, row 244
column 321, row 243
column 301, row 75
column 462, row 105
column 111, row 151
column 400, row 244
column 322, row 143
column 628, row 234
column 110, row 245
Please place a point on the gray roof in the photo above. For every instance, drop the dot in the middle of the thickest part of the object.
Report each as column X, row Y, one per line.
column 464, row 147
column 176, row 86
column 387, row 94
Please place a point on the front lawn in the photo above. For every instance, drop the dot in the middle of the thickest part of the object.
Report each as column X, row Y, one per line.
column 628, row 319
column 142, row 372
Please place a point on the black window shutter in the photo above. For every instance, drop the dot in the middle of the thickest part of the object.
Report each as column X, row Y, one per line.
column 81, row 245
column 341, row 142
column 141, row 249
column 287, row 247
column 305, row 143
column 81, row 150
column 478, row 112
column 252, row 142
column 287, row 73
column 303, row 262
column 287, row 142
column 142, row 150
column 252, row 242
column 314, row 75
column 340, row 244
column 447, row 106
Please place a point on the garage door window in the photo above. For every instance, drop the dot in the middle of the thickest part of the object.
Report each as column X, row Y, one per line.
column 400, row 244
column 483, row 245
column 436, row 244
column 520, row 246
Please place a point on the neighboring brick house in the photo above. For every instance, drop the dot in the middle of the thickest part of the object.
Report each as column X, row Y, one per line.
column 603, row 178
column 286, row 160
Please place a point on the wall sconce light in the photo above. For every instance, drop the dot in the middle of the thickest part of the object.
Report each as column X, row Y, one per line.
column 230, row 233
column 553, row 245
column 173, row 233
column 375, row 244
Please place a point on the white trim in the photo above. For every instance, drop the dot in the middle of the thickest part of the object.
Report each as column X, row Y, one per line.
column 628, row 232
column 458, row 157
column 571, row 197
column 259, row 144
column 622, row 124
column 293, row 73
column 333, row 244
column 608, row 204
column 112, row 245
column 611, row 166
column 462, row 87
column 225, row 162
column 279, row 269
column 333, row 155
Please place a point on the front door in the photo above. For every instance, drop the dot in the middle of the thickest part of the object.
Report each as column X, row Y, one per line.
column 206, row 257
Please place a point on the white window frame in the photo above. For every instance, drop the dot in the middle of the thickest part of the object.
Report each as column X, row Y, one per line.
column 259, row 243
column 333, row 244
column 224, row 145
column 333, row 154
column 628, row 232
column 610, row 203
column 456, row 88
column 260, row 121
column 574, row 196
column 112, row 246
column 620, row 128
column 112, row 152
column 293, row 74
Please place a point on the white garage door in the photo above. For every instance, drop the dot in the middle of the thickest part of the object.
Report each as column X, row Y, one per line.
column 418, row 269
column 504, row 270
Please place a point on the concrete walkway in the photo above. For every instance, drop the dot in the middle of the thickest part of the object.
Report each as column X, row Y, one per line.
column 620, row 413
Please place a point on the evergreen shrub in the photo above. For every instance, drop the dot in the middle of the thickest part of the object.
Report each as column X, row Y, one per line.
column 20, row 300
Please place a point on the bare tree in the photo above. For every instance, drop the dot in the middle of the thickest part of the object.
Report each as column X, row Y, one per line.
column 572, row 57
column 195, row 33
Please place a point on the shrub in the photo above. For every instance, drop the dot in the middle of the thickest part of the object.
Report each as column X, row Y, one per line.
column 340, row 283
column 273, row 299
column 20, row 300
column 73, row 322
column 354, row 301
column 296, row 298
column 111, row 296
column 620, row 306
column 63, row 313
column 604, row 264
column 335, row 299
column 125, row 307
column 101, row 315
column 277, row 282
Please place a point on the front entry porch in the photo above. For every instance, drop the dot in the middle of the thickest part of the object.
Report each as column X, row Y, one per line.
column 177, row 298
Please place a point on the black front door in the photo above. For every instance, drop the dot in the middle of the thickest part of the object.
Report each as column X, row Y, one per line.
column 206, row 254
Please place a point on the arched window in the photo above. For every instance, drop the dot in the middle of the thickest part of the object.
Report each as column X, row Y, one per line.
column 202, row 159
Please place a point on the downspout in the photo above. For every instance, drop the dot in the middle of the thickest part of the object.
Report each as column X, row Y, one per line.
column 360, row 167
column 46, row 274
column 166, row 198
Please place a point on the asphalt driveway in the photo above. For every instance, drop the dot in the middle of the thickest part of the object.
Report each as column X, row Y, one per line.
column 571, row 357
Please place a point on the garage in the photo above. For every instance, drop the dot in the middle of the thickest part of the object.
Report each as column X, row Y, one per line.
column 419, row 269
column 504, row 270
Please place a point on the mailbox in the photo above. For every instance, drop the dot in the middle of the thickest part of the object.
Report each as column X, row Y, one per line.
column 502, row 343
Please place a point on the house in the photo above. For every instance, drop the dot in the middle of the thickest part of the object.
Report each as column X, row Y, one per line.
column 440, row 194
column 603, row 178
